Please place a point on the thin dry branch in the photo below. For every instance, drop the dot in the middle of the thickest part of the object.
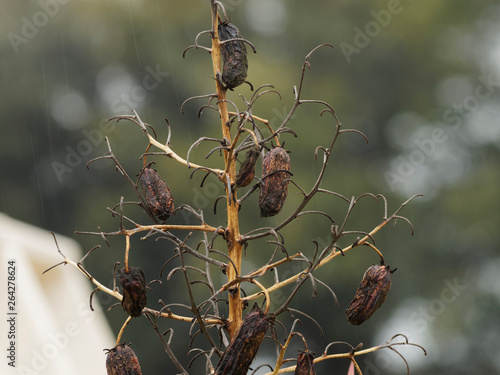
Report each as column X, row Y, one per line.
column 334, row 253
column 355, row 353
column 166, row 345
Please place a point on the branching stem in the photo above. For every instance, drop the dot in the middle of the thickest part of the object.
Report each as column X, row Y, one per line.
column 170, row 153
column 350, row 354
column 326, row 260
column 234, row 245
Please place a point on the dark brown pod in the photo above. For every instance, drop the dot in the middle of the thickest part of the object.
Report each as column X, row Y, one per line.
column 157, row 194
column 234, row 55
column 305, row 363
column 247, row 170
column 121, row 360
column 238, row 356
column 370, row 295
column 274, row 188
column 134, row 291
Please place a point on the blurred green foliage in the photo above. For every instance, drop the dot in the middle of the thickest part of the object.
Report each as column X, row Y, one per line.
column 417, row 65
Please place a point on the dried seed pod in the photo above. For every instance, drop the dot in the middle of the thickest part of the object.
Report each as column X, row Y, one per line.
column 370, row 295
column 247, row 170
column 134, row 291
column 121, row 360
column 305, row 363
column 157, row 194
column 240, row 353
column 234, row 54
column 274, row 189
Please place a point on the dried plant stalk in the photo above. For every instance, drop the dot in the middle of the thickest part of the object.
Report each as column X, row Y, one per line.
column 245, row 336
column 234, row 245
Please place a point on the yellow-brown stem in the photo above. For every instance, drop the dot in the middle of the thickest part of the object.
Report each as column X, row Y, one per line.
column 119, row 337
column 281, row 355
column 169, row 315
column 233, row 229
column 127, row 249
column 376, row 250
column 164, row 227
column 170, row 153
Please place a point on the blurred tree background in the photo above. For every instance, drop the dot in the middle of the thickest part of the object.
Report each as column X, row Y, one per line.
column 420, row 78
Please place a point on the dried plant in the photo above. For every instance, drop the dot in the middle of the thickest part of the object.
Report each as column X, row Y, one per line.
column 242, row 131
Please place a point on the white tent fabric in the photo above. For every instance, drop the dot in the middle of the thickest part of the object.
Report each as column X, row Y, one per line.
column 55, row 331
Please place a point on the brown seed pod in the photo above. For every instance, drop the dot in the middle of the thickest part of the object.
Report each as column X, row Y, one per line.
column 157, row 194
column 274, row 188
column 240, row 353
column 247, row 170
column 305, row 363
column 370, row 295
column 121, row 360
column 134, row 291
column 234, row 54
